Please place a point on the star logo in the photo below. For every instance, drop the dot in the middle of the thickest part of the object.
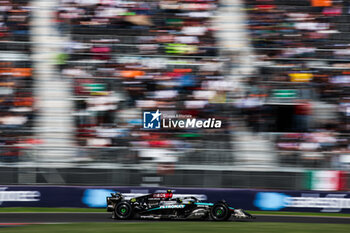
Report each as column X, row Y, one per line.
column 151, row 120
column 156, row 115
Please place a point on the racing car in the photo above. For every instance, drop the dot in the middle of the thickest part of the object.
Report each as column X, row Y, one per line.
column 167, row 206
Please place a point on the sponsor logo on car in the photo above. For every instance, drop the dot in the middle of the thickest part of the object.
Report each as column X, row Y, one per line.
column 162, row 195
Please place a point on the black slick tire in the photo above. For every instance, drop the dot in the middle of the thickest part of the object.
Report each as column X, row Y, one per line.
column 220, row 212
column 123, row 210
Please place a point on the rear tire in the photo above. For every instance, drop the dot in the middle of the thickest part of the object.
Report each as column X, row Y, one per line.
column 220, row 212
column 123, row 210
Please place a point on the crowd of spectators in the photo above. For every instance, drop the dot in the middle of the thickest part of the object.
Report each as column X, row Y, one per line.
column 130, row 56
column 16, row 95
column 125, row 57
column 302, row 50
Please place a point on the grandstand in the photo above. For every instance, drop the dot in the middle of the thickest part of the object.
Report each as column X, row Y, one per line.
column 77, row 75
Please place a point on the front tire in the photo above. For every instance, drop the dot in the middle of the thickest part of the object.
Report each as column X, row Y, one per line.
column 220, row 212
column 123, row 210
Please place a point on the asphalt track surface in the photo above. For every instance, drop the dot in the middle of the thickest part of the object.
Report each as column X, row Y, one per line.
column 24, row 218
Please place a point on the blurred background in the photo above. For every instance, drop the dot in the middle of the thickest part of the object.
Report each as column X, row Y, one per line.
column 75, row 76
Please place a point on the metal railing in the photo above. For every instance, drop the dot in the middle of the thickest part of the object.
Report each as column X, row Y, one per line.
column 218, row 158
column 155, row 176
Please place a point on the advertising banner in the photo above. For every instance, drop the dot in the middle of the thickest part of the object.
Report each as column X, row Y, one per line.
column 41, row 196
column 300, row 77
column 308, row 201
column 321, row 3
column 248, row 199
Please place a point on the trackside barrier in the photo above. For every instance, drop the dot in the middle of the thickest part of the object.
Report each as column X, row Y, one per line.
column 249, row 199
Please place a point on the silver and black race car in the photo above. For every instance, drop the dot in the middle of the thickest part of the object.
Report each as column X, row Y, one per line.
column 167, row 206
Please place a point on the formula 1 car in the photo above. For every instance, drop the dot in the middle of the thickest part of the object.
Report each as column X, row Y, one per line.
column 165, row 206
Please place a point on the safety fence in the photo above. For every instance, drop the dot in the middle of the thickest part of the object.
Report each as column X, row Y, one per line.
column 148, row 175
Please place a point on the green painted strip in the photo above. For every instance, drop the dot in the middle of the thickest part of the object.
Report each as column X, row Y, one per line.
column 185, row 227
column 103, row 210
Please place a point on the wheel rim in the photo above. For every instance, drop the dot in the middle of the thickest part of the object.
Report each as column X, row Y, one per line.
column 219, row 212
column 123, row 210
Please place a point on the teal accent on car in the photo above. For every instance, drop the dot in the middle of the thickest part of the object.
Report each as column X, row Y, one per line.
column 203, row 203
column 154, row 209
